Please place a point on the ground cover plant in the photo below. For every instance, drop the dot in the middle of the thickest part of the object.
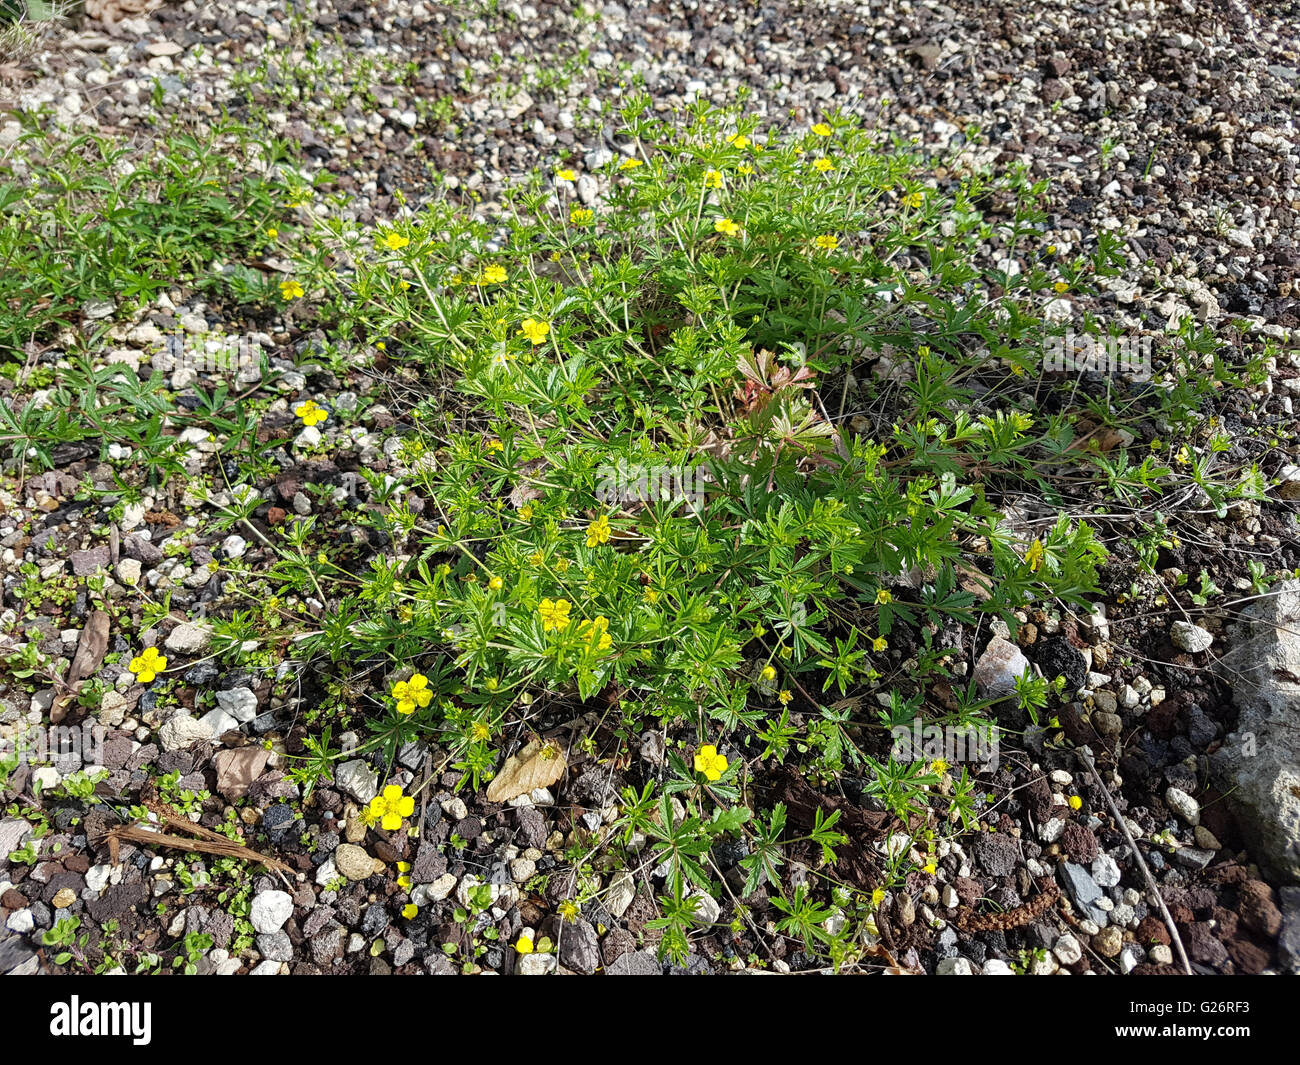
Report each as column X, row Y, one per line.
column 674, row 490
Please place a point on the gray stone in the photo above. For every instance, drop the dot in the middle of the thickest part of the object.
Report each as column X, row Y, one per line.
column 998, row 668
column 239, row 703
column 181, row 730
column 1258, row 765
column 189, row 639
column 358, row 780
column 1190, row 638
column 275, row 946
column 269, row 911
column 1183, row 805
column 1083, row 892
column 637, row 963
column 954, row 967
column 579, row 948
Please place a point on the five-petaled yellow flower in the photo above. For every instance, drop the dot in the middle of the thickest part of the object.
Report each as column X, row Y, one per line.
column 524, row 945
column 823, row 165
column 596, row 632
column 580, row 216
column 495, row 584
column 410, row 910
column 709, row 762
column 291, row 290
column 391, row 807
column 1075, row 802
column 713, row 179
column 726, row 227
column 566, row 175
column 480, row 731
column 526, row 512
column 395, row 241
column 784, row 697
column 1034, row 556
column 939, row 767
column 310, row 413
column 273, row 233
column 598, row 531
column 629, row 164
column 554, row 614
column 493, row 275
column 879, row 643
column 1061, row 286
column 495, row 445
column 827, row 242
column 822, row 130
column 147, row 665
column 769, row 673
column 739, row 141
column 412, row 693
column 884, row 596
column 536, row 331
column 914, row 199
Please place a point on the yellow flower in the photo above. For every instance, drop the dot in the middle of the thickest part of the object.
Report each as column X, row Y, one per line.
column 784, row 697
column 939, row 767
column 569, row 910
column 480, row 731
column 310, row 413
column 879, row 643
column 629, row 164
column 823, row 165
column 884, row 596
column 524, row 945
column 494, row 274
column 769, row 673
column 147, row 665
column 597, row 631
column 273, row 233
column 713, row 179
column 526, row 512
column 391, row 807
column 822, row 130
column 412, row 693
column 1034, row 556
column 877, row 897
column 1061, row 286
column 739, row 141
column 535, row 558
column 291, row 290
column 914, row 199
column 929, row 867
column 404, row 882
column 535, row 330
column 1075, row 802
column 494, row 584
column 709, row 762
column 726, row 227
column 495, row 445
column 598, row 531
column 828, row 242
column 651, row 596
column 395, row 241
column 566, row 175
column 744, row 168
column 580, row 216
column 410, row 910
column 555, row 614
